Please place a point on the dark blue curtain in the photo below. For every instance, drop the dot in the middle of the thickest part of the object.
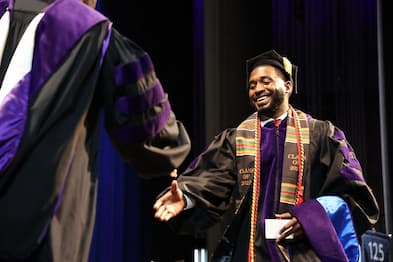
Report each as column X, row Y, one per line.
column 335, row 46
column 125, row 229
column 117, row 228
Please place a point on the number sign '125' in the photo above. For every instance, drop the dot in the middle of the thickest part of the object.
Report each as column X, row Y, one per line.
column 375, row 246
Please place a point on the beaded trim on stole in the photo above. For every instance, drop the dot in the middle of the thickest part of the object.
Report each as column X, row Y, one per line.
column 248, row 146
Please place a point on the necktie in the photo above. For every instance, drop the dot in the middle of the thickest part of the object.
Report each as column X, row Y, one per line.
column 277, row 122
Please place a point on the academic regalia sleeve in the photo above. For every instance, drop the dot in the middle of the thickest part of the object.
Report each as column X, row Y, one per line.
column 138, row 114
column 345, row 179
column 336, row 175
column 209, row 181
column 344, row 176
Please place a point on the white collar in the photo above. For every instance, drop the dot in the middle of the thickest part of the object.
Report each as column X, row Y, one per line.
column 281, row 117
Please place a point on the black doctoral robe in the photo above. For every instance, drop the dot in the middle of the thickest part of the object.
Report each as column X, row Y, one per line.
column 331, row 170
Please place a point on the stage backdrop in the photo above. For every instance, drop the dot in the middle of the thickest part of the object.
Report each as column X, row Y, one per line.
column 125, row 229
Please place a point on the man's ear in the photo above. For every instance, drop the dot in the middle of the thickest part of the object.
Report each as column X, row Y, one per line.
column 288, row 87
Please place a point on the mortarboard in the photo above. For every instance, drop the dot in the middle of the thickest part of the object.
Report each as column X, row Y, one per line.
column 273, row 58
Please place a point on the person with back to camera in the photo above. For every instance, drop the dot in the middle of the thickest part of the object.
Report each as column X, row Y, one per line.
column 279, row 163
column 62, row 63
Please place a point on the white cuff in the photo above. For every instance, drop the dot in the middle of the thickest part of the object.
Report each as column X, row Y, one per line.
column 190, row 203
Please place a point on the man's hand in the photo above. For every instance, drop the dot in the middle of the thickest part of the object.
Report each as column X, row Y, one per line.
column 292, row 227
column 170, row 204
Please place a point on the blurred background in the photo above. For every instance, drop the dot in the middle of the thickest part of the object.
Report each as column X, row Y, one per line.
column 343, row 49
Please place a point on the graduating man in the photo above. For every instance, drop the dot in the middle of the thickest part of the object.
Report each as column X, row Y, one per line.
column 280, row 163
column 62, row 62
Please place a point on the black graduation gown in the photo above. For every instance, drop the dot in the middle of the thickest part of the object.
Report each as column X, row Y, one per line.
column 331, row 168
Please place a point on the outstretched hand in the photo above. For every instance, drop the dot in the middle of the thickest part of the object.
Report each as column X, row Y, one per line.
column 170, row 204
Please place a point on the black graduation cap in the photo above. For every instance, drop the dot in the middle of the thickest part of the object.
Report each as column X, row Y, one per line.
column 273, row 58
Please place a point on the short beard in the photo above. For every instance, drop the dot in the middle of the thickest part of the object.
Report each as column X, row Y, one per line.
column 271, row 110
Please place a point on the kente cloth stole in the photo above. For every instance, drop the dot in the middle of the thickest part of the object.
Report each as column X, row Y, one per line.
column 248, row 156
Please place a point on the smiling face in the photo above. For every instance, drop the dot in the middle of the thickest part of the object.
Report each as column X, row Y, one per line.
column 269, row 91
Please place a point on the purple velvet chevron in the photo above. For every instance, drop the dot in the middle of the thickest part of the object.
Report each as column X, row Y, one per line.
column 132, row 72
column 140, row 102
column 133, row 132
column 352, row 169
